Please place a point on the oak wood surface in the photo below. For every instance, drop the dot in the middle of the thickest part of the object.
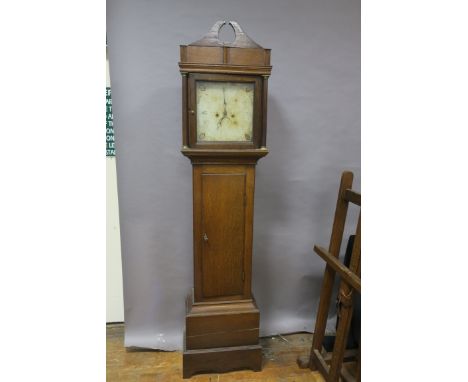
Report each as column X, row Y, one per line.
column 350, row 281
column 346, row 375
column 222, row 324
column 334, row 249
column 320, row 362
column 353, row 197
column 219, row 305
column 241, row 40
column 222, row 320
column 343, row 271
column 221, row 360
column 223, row 229
column 209, row 59
column 224, row 156
column 210, row 50
column 264, row 111
column 223, row 239
column 146, row 365
column 345, row 309
column 223, row 339
column 218, row 323
column 185, row 137
column 226, row 69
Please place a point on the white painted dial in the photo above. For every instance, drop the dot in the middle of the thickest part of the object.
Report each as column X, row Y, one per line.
column 224, row 111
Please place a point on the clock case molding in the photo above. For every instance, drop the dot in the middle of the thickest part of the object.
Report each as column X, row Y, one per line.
column 222, row 318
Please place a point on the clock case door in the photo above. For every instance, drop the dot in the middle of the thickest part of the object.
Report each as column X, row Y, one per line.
column 223, row 232
column 192, row 110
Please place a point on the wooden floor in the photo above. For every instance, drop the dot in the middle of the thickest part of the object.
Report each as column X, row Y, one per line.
column 279, row 362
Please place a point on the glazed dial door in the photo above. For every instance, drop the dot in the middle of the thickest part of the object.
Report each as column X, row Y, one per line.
column 224, row 111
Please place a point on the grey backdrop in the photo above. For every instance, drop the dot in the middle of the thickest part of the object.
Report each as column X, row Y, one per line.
column 313, row 135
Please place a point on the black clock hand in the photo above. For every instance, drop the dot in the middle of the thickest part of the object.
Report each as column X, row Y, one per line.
column 225, row 111
column 221, row 120
column 224, row 95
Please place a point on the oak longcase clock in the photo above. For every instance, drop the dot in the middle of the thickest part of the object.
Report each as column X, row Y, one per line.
column 224, row 108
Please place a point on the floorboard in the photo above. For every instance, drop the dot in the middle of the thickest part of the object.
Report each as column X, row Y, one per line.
column 279, row 362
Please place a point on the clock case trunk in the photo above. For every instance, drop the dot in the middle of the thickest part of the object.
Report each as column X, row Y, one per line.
column 222, row 318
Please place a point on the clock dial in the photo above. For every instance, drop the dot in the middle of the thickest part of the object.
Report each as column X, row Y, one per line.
column 224, row 111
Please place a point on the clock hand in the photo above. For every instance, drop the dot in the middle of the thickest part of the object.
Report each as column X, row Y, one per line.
column 222, row 119
column 225, row 111
column 224, row 95
column 219, row 122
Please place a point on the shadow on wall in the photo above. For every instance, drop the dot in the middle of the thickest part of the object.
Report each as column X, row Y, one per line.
column 272, row 228
column 267, row 220
column 155, row 188
column 274, row 225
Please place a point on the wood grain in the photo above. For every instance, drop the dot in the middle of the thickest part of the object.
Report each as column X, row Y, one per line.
column 343, row 271
column 350, row 281
column 221, row 360
column 334, row 249
column 222, row 320
column 146, row 365
column 219, row 323
column 223, row 339
column 346, row 309
column 245, row 56
column 223, row 231
column 204, row 54
column 223, row 239
column 353, row 197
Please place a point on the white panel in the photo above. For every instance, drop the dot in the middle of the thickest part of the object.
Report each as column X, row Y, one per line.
column 114, row 287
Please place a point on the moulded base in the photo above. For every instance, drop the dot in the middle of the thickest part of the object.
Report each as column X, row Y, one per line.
column 220, row 360
column 221, row 336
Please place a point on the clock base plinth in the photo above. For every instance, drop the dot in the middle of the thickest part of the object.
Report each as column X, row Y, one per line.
column 221, row 336
column 220, row 360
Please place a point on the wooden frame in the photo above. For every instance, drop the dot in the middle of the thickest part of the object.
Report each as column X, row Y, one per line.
column 330, row 365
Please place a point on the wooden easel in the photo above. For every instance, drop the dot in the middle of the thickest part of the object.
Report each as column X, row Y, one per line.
column 330, row 365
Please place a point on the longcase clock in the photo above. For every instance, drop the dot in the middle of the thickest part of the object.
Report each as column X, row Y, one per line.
column 224, row 109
